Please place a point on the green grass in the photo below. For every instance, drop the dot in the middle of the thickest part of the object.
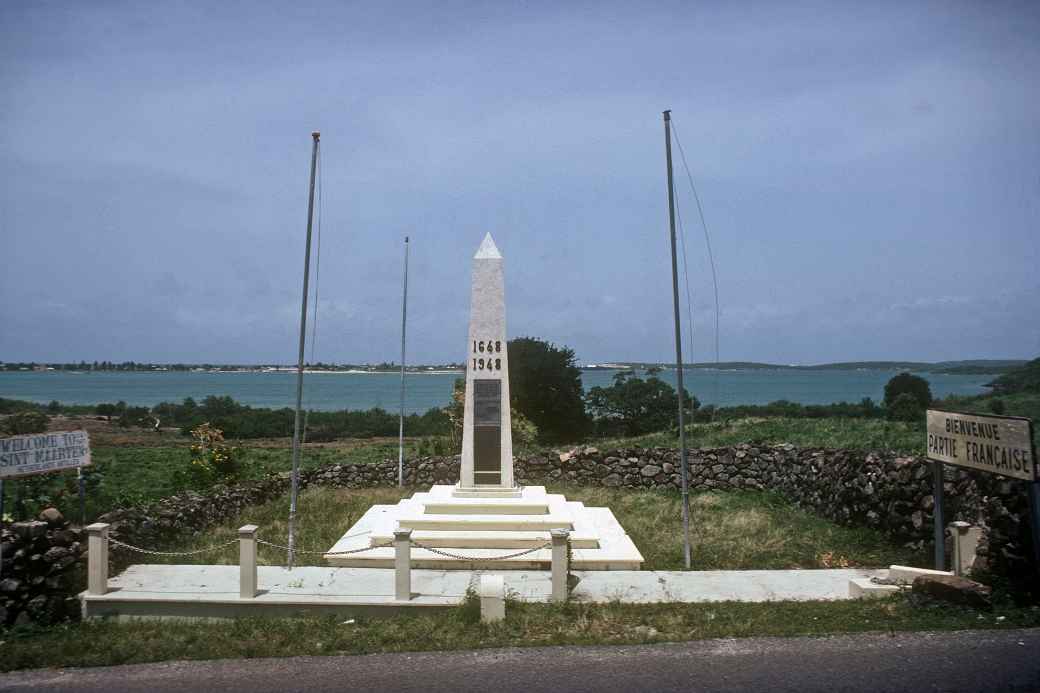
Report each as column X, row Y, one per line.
column 122, row 476
column 855, row 434
column 107, row 643
column 729, row 531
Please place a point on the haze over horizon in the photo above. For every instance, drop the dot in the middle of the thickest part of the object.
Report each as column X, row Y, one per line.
column 870, row 177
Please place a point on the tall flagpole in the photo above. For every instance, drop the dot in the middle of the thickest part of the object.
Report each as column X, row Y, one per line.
column 404, row 318
column 678, row 344
column 299, row 365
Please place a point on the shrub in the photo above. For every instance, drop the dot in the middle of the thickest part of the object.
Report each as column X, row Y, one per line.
column 997, row 406
column 211, row 460
column 545, row 386
column 906, row 407
column 634, row 406
column 25, row 422
column 907, row 383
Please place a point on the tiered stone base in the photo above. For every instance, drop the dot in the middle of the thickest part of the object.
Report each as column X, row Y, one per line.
column 481, row 525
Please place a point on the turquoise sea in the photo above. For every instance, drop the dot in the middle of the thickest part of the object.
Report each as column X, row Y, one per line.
column 332, row 391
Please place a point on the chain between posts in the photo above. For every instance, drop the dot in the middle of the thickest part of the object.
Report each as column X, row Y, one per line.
column 217, row 547
column 324, row 553
column 138, row 549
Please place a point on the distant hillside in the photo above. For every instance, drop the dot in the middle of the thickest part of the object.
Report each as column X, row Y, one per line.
column 1024, row 379
column 971, row 367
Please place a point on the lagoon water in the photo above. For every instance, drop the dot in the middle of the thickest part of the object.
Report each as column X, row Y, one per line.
column 332, row 391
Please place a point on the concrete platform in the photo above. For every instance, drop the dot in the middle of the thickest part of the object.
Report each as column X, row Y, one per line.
column 210, row 591
column 482, row 528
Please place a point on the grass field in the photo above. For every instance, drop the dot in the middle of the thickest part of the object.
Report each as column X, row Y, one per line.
column 527, row 625
column 729, row 531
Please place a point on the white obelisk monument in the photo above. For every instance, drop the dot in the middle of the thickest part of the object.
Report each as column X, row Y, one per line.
column 487, row 441
column 486, row 516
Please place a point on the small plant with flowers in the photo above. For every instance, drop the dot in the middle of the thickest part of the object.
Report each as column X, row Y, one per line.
column 211, row 458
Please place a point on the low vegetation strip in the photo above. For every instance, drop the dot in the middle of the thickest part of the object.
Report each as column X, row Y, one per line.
column 108, row 643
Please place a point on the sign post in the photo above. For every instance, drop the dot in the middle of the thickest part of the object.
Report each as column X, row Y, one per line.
column 996, row 444
column 938, row 483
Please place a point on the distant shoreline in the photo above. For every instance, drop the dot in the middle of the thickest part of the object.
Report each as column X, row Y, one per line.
column 965, row 367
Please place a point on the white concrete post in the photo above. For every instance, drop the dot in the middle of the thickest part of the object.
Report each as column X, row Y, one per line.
column 965, row 544
column 560, row 564
column 403, row 564
column 492, row 598
column 97, row 558
column 247, row 561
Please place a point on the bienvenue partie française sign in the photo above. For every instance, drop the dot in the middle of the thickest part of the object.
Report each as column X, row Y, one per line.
column 998, row 444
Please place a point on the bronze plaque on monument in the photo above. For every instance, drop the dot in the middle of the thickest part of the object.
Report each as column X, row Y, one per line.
column 487, row 431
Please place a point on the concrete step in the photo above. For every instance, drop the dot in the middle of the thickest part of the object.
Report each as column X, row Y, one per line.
column 486, row 506
column 487, row 539
column 478, row 492
column 507, row 523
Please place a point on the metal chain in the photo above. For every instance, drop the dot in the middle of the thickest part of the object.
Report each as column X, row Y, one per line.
column 138, row 549
column 419, row 545
column 324, row 553
column 448, row 554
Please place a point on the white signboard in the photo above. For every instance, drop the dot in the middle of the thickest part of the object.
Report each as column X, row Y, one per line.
column 43, row 452
column 998, row 444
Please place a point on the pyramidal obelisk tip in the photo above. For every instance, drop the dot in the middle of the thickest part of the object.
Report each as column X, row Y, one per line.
column 487, row 250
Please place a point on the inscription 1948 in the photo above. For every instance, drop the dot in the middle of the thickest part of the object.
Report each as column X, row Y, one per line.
column 489, row 362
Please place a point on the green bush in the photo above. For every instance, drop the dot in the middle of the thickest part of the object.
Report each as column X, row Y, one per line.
column 633, row 406
column 25, row 422
column 908, row 383
column 906, row 407
column 545, row 386
column 211, row 459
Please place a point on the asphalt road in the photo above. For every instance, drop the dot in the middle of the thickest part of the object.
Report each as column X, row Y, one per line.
column 965, row 661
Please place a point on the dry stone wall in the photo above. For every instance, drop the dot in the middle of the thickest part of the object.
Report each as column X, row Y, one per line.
column 886, row 491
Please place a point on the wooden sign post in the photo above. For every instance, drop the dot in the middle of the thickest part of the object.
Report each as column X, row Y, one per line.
column 996, row 444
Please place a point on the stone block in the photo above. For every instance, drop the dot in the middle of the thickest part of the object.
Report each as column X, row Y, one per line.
column 908, row 574
column 956, row 590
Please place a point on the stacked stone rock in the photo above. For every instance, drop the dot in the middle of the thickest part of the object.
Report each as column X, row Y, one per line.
column 41, row 571
column 883, row 490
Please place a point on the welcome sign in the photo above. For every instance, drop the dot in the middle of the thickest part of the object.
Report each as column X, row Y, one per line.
column 998, row 444
column 43, row 452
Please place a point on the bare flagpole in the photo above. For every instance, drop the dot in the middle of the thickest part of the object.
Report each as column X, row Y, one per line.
column 678, row 345
column 299, row 365
column 404, row 318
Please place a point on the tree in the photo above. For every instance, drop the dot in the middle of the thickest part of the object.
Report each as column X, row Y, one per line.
column 545, row 386
column 911, row 384
column 636, row 406
column 906, row 407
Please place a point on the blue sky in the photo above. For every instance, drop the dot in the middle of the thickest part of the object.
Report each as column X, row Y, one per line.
column 870, row 174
